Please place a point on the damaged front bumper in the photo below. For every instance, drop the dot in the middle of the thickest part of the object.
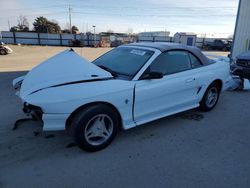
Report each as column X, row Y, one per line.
column 50, row 122
column 242, row 72
column 34, row 111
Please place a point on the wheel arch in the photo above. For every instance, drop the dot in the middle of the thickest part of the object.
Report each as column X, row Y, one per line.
column 69, row 119
column 219, row 83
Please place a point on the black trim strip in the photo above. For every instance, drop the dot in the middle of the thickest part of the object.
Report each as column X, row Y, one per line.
column 75, row 82
column 133, row 105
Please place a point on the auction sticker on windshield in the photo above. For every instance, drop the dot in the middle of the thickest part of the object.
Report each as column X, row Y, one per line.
column 138, row 52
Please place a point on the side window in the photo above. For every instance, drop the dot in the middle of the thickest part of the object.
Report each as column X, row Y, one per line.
column 171, row 62
column 195, row 62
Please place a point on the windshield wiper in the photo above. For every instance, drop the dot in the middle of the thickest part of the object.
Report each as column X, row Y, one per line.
column 109, row 70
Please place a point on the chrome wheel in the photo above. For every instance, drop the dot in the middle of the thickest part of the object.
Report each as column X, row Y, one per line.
column 212, row 96
column 98, row 129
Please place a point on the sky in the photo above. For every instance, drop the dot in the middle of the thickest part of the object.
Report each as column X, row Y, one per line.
column 213, row 17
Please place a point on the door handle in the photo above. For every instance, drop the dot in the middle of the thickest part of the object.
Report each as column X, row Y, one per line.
column 190, row 80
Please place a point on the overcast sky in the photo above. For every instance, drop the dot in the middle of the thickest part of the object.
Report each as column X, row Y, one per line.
column 199, row 16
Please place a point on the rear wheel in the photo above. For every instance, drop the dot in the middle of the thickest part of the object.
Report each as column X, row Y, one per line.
column 3, row 52
column 94, row 128
column 210, row 97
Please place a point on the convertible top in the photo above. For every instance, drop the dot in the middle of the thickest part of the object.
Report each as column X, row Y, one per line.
column 166, row 46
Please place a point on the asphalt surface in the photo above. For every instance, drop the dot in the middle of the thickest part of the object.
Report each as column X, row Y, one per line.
column 191, row 149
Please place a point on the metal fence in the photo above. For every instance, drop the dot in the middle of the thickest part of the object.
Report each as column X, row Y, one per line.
column 64, row 39
column 47, row 38
column 198, row 43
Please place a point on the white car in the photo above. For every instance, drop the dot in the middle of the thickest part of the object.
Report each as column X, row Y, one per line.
column 126, row 87
column 4, row 50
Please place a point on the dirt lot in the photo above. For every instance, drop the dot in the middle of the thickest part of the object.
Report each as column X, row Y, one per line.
column 190, row 149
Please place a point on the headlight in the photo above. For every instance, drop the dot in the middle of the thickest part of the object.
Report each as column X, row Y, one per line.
column 18, row 85
column 18, row 82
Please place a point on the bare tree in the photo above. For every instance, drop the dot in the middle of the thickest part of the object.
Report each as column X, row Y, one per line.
column 23, row 23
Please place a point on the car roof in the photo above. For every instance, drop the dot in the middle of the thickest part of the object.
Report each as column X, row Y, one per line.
column 162, row 46
column 166, row 46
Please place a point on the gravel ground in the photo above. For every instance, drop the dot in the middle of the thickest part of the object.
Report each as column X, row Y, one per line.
column 191, row 149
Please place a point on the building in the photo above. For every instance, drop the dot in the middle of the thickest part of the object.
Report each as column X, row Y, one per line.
column 241, row 40
column 115, row 39
column 154, row 36
column 185, row 38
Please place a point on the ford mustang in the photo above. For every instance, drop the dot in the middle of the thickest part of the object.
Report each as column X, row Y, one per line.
column 128, row 86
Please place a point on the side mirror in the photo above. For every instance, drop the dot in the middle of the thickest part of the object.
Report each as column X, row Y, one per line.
column 152, row 75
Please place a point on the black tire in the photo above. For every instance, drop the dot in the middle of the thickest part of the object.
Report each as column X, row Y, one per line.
column 224, row 49
column 3, row 52
column 204, row 106
column 83, row 119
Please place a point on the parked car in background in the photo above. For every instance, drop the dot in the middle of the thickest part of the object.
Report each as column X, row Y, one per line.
column 128, row 86
column 4, row 50
column 218, row 44
column 76, row 43
column 241, row 65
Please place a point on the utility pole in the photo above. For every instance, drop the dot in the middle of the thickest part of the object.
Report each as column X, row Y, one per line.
column 94, row 35
column 9, row 24
column 70, row 27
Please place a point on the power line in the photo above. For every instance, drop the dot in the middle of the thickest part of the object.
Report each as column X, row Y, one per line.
column 41, row 14
column 46, row 7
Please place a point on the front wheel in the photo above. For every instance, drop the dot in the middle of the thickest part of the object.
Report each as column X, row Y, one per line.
column 210, row 98
column 94, row 128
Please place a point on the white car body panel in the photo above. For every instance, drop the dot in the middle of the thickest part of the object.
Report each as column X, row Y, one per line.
column 137, row 101
column 9, row 50
column 115, row 92
column 64, row 67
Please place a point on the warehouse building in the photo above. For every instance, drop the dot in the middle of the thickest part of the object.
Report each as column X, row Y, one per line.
column 241, row 42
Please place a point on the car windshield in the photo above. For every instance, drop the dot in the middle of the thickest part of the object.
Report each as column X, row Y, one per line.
column 125, row 61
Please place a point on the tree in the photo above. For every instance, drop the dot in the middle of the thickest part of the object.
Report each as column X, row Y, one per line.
column 22, row 25
column 74, row 29
column 14, row 29
column 43, row 25
column 66, row 31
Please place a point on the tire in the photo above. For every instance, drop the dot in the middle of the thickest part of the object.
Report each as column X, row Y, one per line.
column 3, row 52
column 224, row 49
column 207, row 104
column 95, row 127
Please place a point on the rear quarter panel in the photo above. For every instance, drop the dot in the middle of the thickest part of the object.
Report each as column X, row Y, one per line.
column 220, row 70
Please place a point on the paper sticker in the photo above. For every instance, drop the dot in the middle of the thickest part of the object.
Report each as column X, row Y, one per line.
column 138, row 52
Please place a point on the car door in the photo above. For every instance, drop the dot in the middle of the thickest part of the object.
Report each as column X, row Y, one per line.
column 176, row 91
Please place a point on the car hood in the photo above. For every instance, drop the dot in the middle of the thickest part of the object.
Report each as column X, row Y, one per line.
column 64, row 68
column 244, row 55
